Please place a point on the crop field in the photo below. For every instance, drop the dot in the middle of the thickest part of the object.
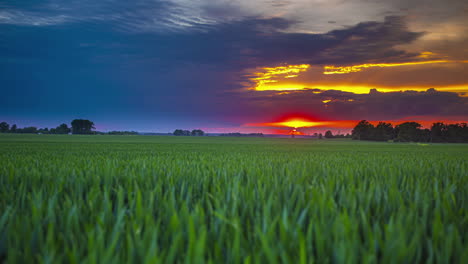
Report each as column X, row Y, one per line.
column 150, row 199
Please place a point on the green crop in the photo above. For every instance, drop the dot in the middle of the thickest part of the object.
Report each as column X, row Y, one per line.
column 147, row 199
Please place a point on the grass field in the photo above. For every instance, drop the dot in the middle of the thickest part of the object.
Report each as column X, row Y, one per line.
column 148, row 199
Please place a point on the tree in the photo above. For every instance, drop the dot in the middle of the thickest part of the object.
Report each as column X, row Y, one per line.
column 320, row 136
column 328, row 134
column 43, row 130
column 82, row 126
column 13, row 129
column 180, row 132
column 455, row 132
column 409, row 131
column 27, row 130
column 197, row 132
column 4, row 127
column 383, row 132
column 363, row 131
column 62, row 129
column 438, row 132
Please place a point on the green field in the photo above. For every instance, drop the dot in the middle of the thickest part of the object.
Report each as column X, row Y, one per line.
column 148, row 199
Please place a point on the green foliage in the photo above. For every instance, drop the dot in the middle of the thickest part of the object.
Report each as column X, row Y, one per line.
column 117, row 199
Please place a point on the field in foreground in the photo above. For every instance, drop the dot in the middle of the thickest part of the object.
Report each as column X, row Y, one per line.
column 137, row 199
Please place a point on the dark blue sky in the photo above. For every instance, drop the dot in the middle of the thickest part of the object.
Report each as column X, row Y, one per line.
column 160, row 65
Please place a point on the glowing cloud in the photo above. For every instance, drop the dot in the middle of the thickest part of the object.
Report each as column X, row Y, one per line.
column 358, row 68
column 275, row 74
column 281, row 78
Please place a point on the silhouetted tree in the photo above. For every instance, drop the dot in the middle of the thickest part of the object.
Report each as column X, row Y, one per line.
column 383, row 132
column 328, row 134
column 438, row 132
column 43, row 130
column 412, row 132
column 27, row 130
column 82, row 126
column 180, row 132
column 13, row 128
column 122, row 133
column 320, row 136
column 457, row 132
column 197, row 132
column 363, row 131
column 4, row 127
column 62, row 129
column 409, row 131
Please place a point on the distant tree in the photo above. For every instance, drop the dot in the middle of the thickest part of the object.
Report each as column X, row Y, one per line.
column 363, row 131
column 457, row 133
column 328, row 134
column 383, row 132
column 320, row 136
column 412, row 132
column 409, row 131
column 62, row 129
column 197, row 132
column 27, row 130
column 180, row 132
column 122, row 133
column 43, row 130
column 438, row 132
column 237, row 134
column 82, row 126
column 13, row 128
column 4, row 127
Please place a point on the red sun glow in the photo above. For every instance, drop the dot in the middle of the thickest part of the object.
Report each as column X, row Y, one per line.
column 296, row 123
column 292, row 122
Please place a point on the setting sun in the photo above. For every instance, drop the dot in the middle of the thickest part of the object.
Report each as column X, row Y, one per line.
column 297, row 123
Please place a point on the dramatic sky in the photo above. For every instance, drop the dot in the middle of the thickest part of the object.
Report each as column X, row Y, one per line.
column 232, row 65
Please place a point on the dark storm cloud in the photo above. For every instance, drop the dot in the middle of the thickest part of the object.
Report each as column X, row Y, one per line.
column 261, row 42
column 372, row 106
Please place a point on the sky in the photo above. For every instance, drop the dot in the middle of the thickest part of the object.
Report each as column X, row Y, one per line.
column 232, row 66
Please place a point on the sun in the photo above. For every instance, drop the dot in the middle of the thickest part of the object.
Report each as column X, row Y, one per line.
column 298, row 123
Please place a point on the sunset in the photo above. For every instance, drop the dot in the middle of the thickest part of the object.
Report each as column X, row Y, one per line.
column 234, row 131
column 160, row 65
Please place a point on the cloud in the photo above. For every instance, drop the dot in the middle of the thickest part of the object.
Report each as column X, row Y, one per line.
column 350, row 106
column 15, row 17
column 140, row 16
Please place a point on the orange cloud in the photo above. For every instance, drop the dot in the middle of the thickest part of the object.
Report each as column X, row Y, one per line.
column 285, row 78
column 268, row 75
column 358, row 68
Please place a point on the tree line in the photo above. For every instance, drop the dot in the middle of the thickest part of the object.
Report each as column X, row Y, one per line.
column 195, row 132
column 78, row 126
column 411, row 132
